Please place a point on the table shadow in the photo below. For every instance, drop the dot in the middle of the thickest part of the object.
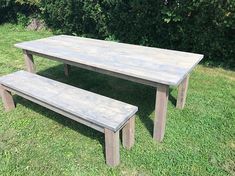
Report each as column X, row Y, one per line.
column 136, row 94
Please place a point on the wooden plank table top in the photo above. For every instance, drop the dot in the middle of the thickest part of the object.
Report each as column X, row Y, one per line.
column 156, row 67
column 152, row 65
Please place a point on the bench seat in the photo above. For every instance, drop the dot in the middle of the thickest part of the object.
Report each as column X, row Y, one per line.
column 99, row 112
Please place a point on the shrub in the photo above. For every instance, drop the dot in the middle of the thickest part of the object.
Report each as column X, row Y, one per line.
column 6, row 8
column 197, row 26
column 18, row 10
column 75, row 16
column 206, row 27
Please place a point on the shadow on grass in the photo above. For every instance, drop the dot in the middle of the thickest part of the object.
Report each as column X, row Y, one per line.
column 119, row 89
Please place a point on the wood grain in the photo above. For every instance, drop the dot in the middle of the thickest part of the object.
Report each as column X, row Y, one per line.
column 112, row 147
column 92, row 108
column 151, row 64
column 7, row 99
column 182, row 93
column 108, row 72
column 160, row 112
column 128, row 134
column 29, row 62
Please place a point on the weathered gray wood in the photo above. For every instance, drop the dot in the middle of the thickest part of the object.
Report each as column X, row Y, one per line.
column 150, row 64
column 60, row 111
column 92, row 108
column 128, row 134
column 182, row 93
column 29, row 62
column 112, row 147
column 108, row 72
column 160, row 112
column 67, row 69
column 7, row 99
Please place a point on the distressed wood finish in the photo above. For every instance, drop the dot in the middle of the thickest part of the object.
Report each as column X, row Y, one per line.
column 112, row 147
column 150, row 64
column 160, row 112
column 128, row 134
column 182, row 93
column 108, row 72
column 67, row 69
column 29, row 62
column 7, row 99
column 101, row 111
column 146, row 65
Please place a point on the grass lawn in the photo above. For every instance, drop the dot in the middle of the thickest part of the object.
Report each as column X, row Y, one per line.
column 199, row 140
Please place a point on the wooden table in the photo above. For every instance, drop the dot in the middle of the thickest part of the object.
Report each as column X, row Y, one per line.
column 155, row 67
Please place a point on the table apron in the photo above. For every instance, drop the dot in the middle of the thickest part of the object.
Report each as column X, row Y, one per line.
column 103, row 71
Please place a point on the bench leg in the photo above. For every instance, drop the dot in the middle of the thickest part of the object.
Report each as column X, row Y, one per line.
column 182, row 93
column 112, row 147
column 7, row 99
column 67, row 69
column 128, row 134
column 29, row 62
column 160, row 112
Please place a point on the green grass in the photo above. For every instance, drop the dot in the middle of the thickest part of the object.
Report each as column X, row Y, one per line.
column 199, row 140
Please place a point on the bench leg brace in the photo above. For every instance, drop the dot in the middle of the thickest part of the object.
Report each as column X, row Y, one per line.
column 112, row 147
column 128, row 134
column 7, row 99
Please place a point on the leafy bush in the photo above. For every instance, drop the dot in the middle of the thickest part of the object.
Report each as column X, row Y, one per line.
column 206, row 27
column 18, row 10
column 75, row 16
column 197, row 26
column 6, row 7
column 28, row 2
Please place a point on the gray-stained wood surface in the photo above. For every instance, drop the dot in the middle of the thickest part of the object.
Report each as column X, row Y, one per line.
column 112, row 147
column 155, row 67
column 152, row 65
column 93, row 108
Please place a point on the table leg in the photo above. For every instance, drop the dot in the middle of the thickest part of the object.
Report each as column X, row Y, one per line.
column 128, row 133
column 29, row 62
column 160, row 112
column 67, row 69
column 182, row 93
column 7, row 99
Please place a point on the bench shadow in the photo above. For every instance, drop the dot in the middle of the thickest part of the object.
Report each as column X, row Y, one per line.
column 60, row 119
column 133, row 93
column 136, row 94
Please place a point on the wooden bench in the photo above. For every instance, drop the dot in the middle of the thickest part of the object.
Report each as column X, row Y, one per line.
column 101, row 113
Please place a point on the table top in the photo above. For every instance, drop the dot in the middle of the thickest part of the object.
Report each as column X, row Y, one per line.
column 156, row 65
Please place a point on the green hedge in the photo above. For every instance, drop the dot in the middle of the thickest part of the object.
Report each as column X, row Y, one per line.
column 6, row 8
column 206, row 27
column 19, row 11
